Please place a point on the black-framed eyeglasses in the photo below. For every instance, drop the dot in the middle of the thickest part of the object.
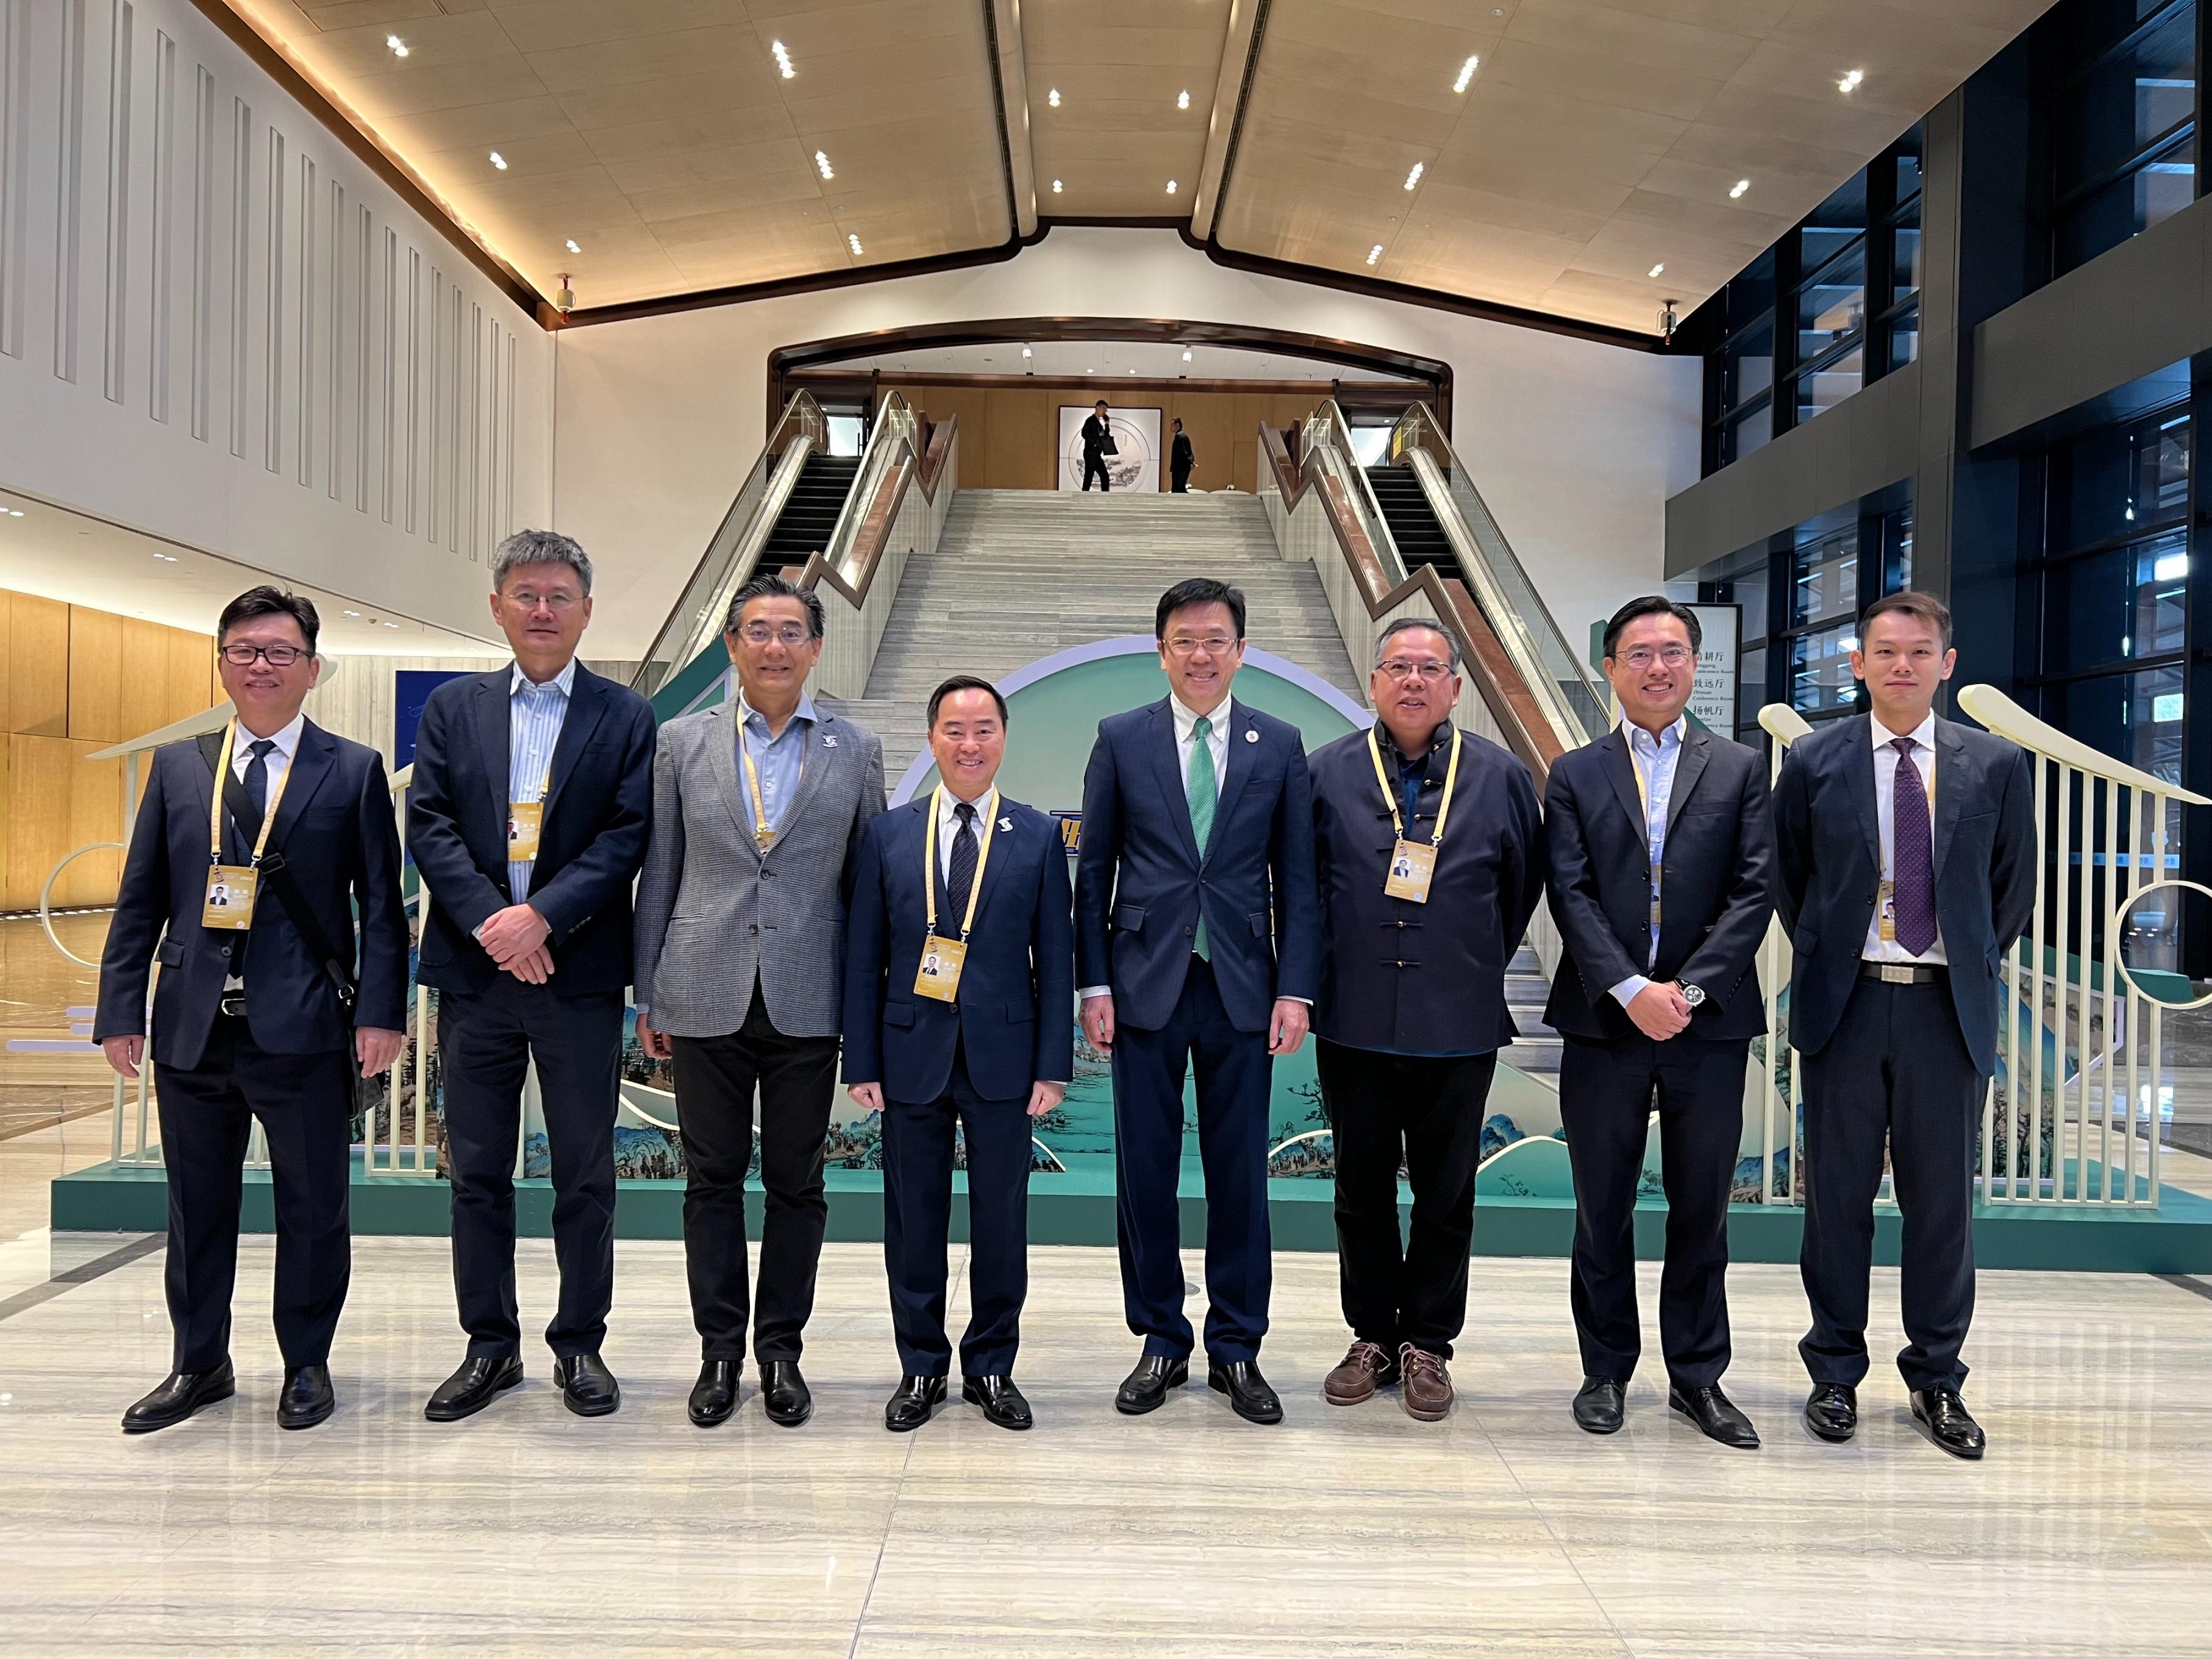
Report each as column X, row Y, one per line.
column 241, row 655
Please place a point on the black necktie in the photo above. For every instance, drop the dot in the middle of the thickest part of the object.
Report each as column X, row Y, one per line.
column 962, row 876
column 257, row 773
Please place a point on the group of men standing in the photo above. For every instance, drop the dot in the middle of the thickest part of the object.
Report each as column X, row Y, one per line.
column 1232, row 895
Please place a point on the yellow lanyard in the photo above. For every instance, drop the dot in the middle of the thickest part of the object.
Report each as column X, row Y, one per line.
column 214, row 806
column 929, row 864
column 761, row 833
column 1390, row 795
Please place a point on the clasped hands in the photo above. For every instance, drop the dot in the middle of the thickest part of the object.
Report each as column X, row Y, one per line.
column 516, row 938
column 1660, row 1011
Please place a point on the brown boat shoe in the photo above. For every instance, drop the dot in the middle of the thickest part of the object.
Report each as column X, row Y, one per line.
column 1366, row 1366
column 1424, row 1386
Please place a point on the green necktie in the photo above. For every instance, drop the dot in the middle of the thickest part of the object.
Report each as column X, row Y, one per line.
column 1202, row 798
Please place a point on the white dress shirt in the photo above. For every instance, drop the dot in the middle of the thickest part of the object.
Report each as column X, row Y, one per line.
column 948, row 826
column 1884, row 806
column 278, row 763
column 535, row 715
column 1656, row 760
column 1217, row 741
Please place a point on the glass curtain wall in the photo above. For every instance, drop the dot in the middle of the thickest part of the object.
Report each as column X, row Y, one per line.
column 2119, row 95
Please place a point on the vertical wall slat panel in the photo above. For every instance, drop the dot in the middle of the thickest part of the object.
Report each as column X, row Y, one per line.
column 114, row 326
column 363, row 288
column 272, row 334
column 241, row 268
column 165, row 220
column 309, row 310
column 69, row 186
column 14, row 162
column 414, row 377
column 334, row 472
column 203, row 241
column 391, row 464
column 437, row 400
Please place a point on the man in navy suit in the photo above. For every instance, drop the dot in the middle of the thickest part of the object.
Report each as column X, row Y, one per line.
column 1662, row 885
column 1909, row 868
column 270, row 1020
column 528, row 820
column 1197, row 939
column 1432, row 861
column 959, row 990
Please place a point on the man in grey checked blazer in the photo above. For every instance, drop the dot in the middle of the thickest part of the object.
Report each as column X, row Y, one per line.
column 757, row 805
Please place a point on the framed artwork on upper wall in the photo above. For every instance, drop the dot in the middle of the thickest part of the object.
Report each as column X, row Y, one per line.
column 1136, row 466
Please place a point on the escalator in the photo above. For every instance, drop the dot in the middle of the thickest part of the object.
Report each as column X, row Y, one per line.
column 809, row 519
column 1414, row 524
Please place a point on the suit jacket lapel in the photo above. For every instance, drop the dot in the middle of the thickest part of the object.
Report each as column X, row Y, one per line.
column 1950, row 776
column 1004, row 845
column 587, row 702
column 1859, row 755
column 493, row 738
column 1167, row 762
column 210, row 747
column 1689, row 767
column 1241, row 736
column 1621, row 769
column 723, row 736
column 823, row 745
column 311, row 761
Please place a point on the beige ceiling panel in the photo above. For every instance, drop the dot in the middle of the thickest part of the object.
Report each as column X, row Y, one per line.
column 734, row 198
column 1750, row 227
column 421, row 89
column 722, row 129
column 1900, row 85
column 779, row 160
column 1386, row 145
column 1593, row 76
column 371, row 14
column 479, row 127
column 1628, row 248
column 432, row 44
column 732, row 51
column 1604, row 299
column 1757, row 18
column 1729, row 151
column 861, row 156
column 563, row 153
column 584, row 196
column 1311, row 75
column 1499, row 273
column 554, row 24
column 1632, row 38
column 1962, row 33
column 1543, row 215
column 1617, row 140
column 1862, row 129
column 1533, row 176
column 666, row 97
column 1438, row 38
column 1701, row 190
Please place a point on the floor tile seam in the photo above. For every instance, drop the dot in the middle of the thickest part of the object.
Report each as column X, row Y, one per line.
column 1566, row 1554
column 38, row 1295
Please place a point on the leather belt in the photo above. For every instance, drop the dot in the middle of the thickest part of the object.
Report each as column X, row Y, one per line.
column 1904, row 973
column 233, row 1004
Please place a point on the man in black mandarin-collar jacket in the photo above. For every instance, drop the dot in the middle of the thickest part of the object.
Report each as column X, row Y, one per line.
column 1657, row 994
column 1411, row 1011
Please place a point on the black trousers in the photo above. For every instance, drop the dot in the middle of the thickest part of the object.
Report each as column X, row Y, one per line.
column 1179, row 482
column 1897, row 1070
column 1607, row 1092
column 1423, row 1112
column 918, row 1216
column 305, row 1103
column 715, row 1077
column 489, row 1040
column 1095, row 463
column 1234, row 1077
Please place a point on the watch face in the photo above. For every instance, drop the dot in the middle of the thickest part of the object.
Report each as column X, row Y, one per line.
column 1694, row 996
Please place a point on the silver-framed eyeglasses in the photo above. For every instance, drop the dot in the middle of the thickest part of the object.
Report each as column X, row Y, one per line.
column 241, row 655
column 1640, row 657
column 1214, row 644
column 760, row 632
column 560, row 599
column 1404, row 668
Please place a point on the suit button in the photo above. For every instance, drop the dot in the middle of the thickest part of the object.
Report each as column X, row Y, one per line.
column 225, row 950
column 1186, row 932
column 753, row 928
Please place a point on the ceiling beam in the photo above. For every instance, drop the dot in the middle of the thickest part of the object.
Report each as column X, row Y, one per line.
column 1239, row 56
column 1011, row 84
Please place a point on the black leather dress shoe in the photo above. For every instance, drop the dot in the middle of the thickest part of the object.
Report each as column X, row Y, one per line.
column 1249, row 1396
column 1944, row 1415
column 180, row 1395
column 476, row 1385
column 1832, row 1412
column 307, row 1399
column 1715, row 1416
column 1146, row 1389
column 714, row 1396
column 909, row 1406
column 1600, row 1405
column 587, row 1387
column 1001, row 1400
column 783, row 1391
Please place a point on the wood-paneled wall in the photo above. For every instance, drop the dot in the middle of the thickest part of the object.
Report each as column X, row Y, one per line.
column 1008, row 435
column 73, row 680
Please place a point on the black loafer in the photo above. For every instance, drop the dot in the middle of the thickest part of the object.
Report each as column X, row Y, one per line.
column 307, row 1399
column 1944, row 1415
column 1001, row 1400
column 714, row 1396
column 784, row 1394
column 180, row 1394
column 476, row 1385
column 1600, row 1405
column 910, row 1407
column 587, row 1387
column 1249, row 1396
column 1715, row 1416
column 1832, row 1412
column 1146, row 1389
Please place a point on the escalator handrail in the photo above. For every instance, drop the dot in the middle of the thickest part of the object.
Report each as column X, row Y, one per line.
column 1327, row 432
column 894, row 440
column 704, row 594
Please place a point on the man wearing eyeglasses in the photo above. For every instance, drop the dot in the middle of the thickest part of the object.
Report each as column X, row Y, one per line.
column 1197, row 941
column 255, row 846
column 1431, row 854
column 527, row 820
column 757, row 809
column 1662, row 874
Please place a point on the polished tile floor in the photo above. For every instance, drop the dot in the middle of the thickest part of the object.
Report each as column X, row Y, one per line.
column 1502, row 1530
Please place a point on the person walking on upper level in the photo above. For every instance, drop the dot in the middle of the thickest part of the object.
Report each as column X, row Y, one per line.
column 1909, row 868
column 1097, row 444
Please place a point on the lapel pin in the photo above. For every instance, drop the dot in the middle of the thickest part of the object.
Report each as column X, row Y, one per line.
column 1251, row 735
column 829, row 741
column 1006, row 823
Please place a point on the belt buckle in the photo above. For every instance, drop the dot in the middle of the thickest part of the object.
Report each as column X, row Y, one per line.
column 1894, row 972
column 233, row 1004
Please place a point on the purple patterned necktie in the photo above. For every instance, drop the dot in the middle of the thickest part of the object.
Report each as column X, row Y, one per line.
column 1913, row 855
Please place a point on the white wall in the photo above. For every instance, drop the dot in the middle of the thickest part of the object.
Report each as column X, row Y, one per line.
column 1577, row 446
column 217, row 325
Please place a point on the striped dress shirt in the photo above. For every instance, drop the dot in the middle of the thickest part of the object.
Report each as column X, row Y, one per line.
column 534, row 717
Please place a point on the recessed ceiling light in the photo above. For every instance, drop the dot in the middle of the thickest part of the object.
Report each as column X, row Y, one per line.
column 1467, row 74
column 571, row 245
column 1657, row 269
column 1414, row 177
column 1087, row 371
column 1025, row 351
column 391, row 624
column 1133, row 371
column 15, row 513
column 398, row 46
column 1738, row 188
column 353, row 613
column 783, row 58
column 1171, row 186
column 499, row 161
column 1186, row 354
column 1056, row 187
column 823, row 162
column 854, row 242
column 168, row 558
column 1053, row 97
column 1850, row 82
column 1182, row 101
column 1373, row 253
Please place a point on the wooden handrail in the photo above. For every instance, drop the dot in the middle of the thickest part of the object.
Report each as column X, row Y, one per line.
column 927, row 471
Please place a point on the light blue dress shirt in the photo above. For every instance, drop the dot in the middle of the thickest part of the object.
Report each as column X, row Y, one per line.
column 535, row 714
column 779, row 761
column 1655, row 759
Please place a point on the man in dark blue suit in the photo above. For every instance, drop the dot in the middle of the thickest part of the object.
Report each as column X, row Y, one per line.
column 1432, row 861
column 528, row 818
column 959, row 992
column 1662, row 885
column 1197, row 939
column 1909, row 868
column 268, row 1006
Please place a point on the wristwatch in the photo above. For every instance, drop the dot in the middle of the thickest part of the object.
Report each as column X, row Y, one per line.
column 1693, row 994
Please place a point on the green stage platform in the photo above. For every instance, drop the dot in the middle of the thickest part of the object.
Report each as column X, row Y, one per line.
column 1077, row 1208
